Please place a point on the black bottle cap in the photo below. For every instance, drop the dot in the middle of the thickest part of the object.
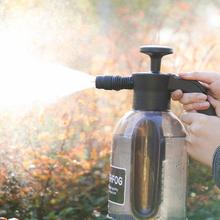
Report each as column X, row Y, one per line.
column 150, row 92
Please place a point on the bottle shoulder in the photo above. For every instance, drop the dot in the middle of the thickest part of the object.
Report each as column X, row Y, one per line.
column 172, row 125
column 167, row 121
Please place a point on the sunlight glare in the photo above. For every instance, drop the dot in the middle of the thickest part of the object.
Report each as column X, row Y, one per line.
column 25, row 80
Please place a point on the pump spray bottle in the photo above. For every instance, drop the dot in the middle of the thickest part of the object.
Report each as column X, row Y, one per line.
column 148, row 177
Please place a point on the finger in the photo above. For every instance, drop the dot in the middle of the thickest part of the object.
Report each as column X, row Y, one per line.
column 215, row 103
column 200, row 76
column 189, row 117
column 177, row 95
column 196, row 106
column 188, row 98
column 206, row 85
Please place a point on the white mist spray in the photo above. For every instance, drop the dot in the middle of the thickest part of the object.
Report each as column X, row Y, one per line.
column 24, row 81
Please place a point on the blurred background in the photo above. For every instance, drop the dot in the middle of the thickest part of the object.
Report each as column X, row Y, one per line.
column 54, row 157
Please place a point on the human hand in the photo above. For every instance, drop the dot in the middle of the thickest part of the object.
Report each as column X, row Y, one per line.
column 202, row 136
column 199, row 101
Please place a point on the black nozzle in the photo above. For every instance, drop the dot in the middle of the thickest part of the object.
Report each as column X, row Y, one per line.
column 156, row 53
column 113, row 82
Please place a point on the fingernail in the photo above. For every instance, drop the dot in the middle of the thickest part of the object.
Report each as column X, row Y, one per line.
column 184, row 74
column 202, row 96
column 204, row 104
column 181, row 74
column 178, row 93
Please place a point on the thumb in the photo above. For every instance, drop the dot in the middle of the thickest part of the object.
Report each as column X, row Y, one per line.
column 215, row 103
column 189, row 117
column 207, row 78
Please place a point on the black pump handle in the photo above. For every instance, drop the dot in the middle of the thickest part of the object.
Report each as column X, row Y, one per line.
column 189, row 86
column 156, row 52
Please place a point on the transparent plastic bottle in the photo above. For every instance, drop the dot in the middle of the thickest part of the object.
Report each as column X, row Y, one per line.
column 150, row 160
